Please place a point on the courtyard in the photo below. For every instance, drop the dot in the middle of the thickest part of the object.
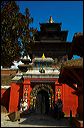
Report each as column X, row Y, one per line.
column 35, row 120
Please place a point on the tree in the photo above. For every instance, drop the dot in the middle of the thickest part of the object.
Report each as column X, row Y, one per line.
column 15, row 32
column 27, row 35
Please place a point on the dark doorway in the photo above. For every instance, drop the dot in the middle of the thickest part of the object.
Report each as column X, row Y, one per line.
column 42, row 102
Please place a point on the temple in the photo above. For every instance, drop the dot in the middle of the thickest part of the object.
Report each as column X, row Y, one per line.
column 51, row 41
column 37, row 82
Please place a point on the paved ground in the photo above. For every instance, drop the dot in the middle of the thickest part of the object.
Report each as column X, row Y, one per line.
column 34, row 121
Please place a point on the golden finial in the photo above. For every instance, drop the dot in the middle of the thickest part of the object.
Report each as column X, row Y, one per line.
column 51, row 20
column 43, row 56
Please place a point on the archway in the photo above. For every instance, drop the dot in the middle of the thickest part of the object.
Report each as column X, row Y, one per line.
column 42, row 102
column 41, row 98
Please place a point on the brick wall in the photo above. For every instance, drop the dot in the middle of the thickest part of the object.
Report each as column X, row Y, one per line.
column 6, row 76
column 8, row 71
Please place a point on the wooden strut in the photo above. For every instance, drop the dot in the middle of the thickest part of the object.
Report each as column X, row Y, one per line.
column 68, row 82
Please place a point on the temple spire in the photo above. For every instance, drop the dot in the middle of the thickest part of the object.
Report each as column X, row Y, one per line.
column 43, row 56
column 51, row 20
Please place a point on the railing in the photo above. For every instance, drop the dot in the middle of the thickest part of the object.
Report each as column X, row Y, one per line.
column 41, row 75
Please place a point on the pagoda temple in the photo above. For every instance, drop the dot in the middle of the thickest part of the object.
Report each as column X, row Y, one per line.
column 51, row 40
column 37, row 83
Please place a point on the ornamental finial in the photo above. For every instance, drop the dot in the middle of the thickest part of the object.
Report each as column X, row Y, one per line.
column 43, row 56
column 51, row 20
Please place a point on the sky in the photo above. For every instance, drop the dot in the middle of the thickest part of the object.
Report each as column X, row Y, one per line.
column 69, row 13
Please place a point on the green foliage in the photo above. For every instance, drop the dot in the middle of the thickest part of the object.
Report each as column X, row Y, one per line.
column 15, row 32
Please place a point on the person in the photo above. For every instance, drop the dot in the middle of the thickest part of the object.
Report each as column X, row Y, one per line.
column 55, row 110
column 25, row 105
column 21, row 105
column 60, row 105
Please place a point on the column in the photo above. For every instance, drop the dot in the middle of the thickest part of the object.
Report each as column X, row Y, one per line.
column 26, row 91
column 80, row 101
column 58, row 91
column 55, row 91
column 14, row 97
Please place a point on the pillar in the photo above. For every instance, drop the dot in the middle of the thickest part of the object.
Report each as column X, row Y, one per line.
column 57, row 87
column 80, row 102
column 27, row 90
column 55, row 93
column 14, row 97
